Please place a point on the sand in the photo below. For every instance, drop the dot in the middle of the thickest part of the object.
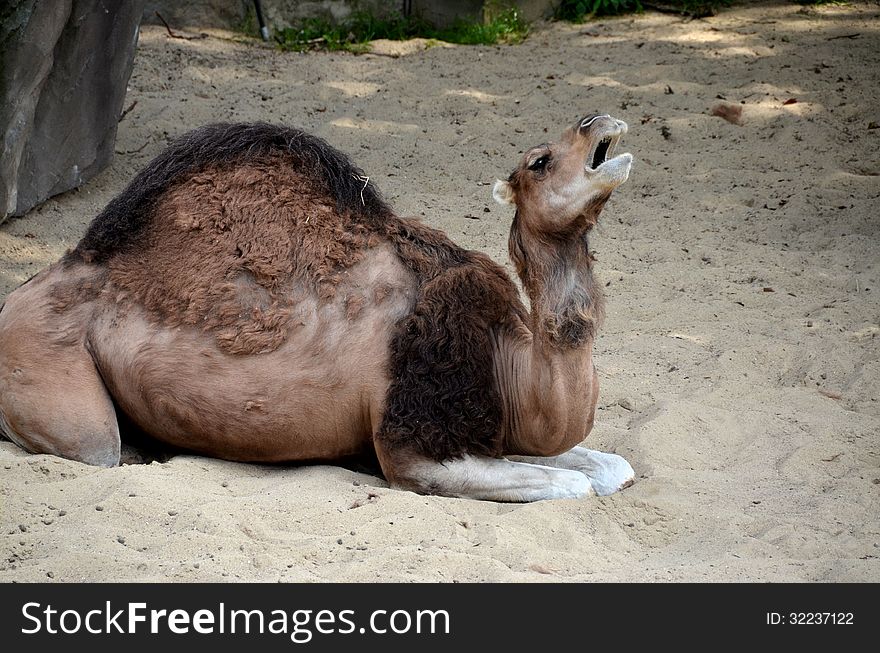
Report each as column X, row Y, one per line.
column 740, row 361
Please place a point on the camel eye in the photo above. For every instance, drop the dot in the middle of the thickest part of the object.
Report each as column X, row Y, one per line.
column 540, row 163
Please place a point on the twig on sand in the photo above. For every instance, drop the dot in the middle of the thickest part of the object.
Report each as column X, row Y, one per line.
column 134, row 151
column 844, row 36
column 127, row 111
column 185, row 37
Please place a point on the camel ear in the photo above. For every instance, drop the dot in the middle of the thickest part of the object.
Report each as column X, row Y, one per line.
column 503, row 192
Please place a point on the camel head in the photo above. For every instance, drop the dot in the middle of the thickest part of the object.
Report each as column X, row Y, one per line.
column 560, row 188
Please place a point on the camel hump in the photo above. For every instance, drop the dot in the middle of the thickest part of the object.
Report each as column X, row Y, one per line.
column 123, row 222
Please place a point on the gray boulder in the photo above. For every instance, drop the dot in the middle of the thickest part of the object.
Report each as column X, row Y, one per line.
column 64, row 67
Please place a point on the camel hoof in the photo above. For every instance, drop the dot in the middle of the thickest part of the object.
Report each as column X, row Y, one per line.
column 609, row 473
column 570, row 484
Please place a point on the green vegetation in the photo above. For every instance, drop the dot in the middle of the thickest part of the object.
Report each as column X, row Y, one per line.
column 580, row 10
column 355, row 34
column 506, row 27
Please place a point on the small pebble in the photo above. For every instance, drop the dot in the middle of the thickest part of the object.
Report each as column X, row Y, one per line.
column 99, row 508
column 732, row 113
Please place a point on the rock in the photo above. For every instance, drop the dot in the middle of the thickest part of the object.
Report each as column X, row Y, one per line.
column 199, row 14
column 732, row 113
column 282, row 14
column 240, row 15
column 65, row 67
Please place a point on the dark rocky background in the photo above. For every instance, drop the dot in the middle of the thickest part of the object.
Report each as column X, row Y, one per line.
column 64, row 67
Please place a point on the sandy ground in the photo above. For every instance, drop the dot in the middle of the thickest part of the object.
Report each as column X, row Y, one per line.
column 740, row 362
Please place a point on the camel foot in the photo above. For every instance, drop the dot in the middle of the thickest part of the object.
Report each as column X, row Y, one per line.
column 608, row 473
column 486, row 479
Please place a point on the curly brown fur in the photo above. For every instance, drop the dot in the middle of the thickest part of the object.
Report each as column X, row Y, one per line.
column 233, row 249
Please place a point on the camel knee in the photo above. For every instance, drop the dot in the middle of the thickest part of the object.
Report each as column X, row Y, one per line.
column 100, row 451
column 89, row 443
column 398, row 467
column 104, row 454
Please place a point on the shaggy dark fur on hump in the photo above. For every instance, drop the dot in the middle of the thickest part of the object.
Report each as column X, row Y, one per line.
column 127, row 216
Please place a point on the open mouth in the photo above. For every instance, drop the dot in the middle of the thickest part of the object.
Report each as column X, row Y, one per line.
column 601, row 153
column 605, row 147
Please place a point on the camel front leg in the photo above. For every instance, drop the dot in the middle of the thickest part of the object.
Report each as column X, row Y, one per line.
column 607, row 472
column 480, row 477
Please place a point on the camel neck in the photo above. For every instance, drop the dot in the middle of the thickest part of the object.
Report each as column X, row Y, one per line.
column 566, row 304
column 548, row 379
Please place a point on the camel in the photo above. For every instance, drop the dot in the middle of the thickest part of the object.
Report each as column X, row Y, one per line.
column 250, row 296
